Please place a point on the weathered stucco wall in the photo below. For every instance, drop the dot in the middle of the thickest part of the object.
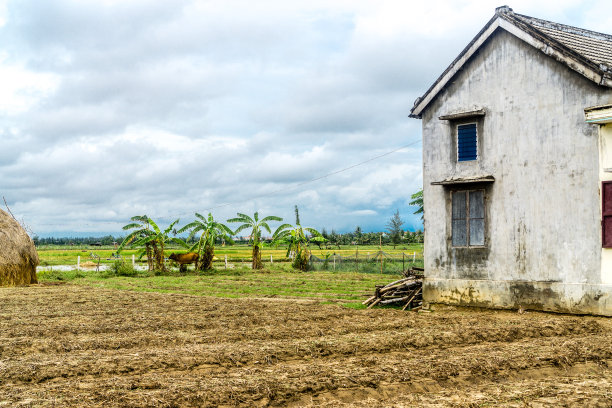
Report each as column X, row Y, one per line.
column 605, row 164
column 543, row 232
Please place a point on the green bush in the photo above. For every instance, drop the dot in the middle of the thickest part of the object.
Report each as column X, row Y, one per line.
column 121, row 268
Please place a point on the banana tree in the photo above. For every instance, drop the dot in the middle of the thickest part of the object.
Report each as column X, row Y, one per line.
column 210, row 231
column 256, row 225
column 150, row 239
column 294, row 236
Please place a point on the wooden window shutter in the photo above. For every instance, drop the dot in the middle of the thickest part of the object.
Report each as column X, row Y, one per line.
column 606, row 214
column 459, row 219
column 467, row 142
column 477, row 216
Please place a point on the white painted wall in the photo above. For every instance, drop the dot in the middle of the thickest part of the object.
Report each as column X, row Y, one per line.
column 543, row 213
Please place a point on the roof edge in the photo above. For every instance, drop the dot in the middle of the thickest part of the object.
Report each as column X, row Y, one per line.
column 506, row 19
column 421, row 102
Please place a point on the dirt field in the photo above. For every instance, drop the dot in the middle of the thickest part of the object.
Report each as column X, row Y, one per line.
column 74, row 346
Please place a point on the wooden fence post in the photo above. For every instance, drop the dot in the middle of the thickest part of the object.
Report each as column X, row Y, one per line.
column 79, row 262
column 381, row 252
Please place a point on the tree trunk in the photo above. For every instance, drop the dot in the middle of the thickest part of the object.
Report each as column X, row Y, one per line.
column 207, row 257
column 149, row 252
column 200, row 260
column 302, row 258
column 158, row 253
column 257, row 264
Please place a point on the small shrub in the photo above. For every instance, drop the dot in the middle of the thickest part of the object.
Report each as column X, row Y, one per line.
column 120, row 268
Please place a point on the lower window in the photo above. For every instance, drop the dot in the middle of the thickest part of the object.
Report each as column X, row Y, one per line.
column 468, row 218
column 606, row 214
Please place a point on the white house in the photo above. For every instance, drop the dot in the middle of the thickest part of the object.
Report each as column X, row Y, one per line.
column 514, row 173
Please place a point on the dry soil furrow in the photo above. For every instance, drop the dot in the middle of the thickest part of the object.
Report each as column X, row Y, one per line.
column 39, row 364
column 284, row 381
column 581, row 385
column 75, row 346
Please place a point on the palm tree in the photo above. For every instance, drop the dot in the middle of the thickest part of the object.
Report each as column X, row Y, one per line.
column 151, row 239
column 358, row 235
column 210, row 230
column 297, row 242
column 417, row 199
column 256, row 226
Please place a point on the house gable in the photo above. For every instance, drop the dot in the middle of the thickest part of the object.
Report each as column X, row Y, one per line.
column 586, row 52
column 537, row 173
column 533, row 145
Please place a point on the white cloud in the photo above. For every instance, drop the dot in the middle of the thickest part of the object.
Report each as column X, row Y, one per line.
column 22, row 88
column 111, row 109
column 362, row 212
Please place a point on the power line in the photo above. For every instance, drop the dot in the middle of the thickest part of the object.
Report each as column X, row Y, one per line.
column 281, row 190
column 316, row 178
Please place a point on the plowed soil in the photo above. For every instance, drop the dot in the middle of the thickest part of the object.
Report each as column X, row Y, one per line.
column 74, row 346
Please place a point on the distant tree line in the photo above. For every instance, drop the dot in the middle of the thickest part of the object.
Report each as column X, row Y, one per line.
column 357, row 237
column 80, row 241
column 106, row 240
column 393, row 235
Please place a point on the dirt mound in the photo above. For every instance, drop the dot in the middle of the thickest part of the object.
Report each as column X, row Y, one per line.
column 18, row 257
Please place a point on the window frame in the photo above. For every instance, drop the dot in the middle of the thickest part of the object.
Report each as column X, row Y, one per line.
column 475, row 123
column 467, row 217
column 605, row 214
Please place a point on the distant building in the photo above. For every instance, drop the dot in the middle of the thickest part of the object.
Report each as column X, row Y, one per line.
column 514, row 175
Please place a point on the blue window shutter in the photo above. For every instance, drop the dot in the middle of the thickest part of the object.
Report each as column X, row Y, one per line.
column 467, row 145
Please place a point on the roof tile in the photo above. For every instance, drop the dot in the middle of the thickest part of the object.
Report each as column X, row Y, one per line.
column 594, row 46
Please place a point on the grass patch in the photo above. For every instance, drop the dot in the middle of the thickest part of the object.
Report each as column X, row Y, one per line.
column 51, row 275
column 346, row 288
column 355, row 305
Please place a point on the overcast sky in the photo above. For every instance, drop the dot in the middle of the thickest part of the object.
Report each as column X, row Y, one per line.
column 110, row 109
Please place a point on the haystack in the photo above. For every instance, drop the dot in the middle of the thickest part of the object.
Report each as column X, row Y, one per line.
column 18, row 257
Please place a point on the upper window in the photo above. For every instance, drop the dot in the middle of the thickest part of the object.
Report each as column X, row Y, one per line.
column 467, row 142
column 468, row 218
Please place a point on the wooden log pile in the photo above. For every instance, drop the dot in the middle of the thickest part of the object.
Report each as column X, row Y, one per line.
column 406, row 292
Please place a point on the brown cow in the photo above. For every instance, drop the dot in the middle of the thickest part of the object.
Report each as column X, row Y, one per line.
column 184, row 259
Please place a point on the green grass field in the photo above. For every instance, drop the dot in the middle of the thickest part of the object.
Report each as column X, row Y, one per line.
column 343, row 282
column 65, row 255
column 346, row 288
